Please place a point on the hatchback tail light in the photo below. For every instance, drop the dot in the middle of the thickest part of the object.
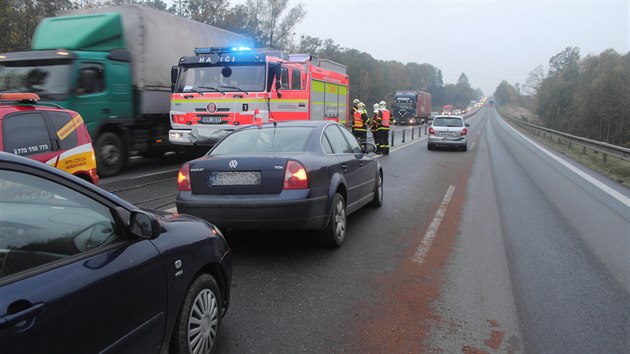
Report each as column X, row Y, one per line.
column 431, row 131
column 464, row 131
column 183, row 178
column 295, row 176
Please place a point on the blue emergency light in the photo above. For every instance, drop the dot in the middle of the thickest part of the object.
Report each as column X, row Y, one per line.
column 219, row 50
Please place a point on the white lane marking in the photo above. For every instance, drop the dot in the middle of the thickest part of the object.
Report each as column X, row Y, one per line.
column 423, row 249
column 611, row 192
column 172, row 210
column 472, row 146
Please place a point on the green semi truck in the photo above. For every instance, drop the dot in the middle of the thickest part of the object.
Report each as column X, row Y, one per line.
column 112, row 65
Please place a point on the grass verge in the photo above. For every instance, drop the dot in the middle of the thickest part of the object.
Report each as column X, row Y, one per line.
column 612, row 167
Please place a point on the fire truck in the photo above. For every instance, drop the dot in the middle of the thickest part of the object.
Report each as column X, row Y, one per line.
column 223, row 88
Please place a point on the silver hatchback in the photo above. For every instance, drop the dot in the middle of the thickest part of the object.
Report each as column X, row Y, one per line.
column 448, row 131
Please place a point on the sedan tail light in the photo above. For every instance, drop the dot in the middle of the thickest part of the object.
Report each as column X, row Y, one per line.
column 183, row 178
column 464, row 131
column 431, row 131
column 295, row 176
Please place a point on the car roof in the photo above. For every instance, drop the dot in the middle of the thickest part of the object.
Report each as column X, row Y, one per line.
column 21, row 161
column 448, row 116
column 7, row 107
column 25, row 161
column 294, row 123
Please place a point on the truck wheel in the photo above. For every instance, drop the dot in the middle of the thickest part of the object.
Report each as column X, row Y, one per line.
column 111, row 155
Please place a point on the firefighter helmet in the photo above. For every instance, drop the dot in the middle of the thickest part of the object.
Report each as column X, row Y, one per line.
column 382, row 104
column 356, row 100
column 361, row 105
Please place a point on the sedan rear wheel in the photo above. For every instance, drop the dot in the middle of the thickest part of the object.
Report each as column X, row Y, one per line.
column 199, row 319
column 378, row 193
column 335, row 232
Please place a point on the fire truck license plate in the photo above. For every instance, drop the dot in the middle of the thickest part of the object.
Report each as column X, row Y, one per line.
column 211, row 120
column 245, row 178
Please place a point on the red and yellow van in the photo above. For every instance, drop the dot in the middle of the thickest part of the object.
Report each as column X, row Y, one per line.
column 47, row 133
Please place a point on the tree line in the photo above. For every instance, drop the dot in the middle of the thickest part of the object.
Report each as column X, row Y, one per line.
column 270, row 23
column 587, row 97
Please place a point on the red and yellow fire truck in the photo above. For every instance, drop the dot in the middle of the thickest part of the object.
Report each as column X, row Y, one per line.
column 221, row 89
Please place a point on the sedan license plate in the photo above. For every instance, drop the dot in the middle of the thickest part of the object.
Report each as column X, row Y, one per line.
column 449, row 134
column 241, row 178
column 211, row 120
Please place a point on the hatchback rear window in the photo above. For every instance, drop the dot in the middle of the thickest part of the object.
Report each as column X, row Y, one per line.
column 268, row 139
column 26, row 134
column 60, row 121
column 448, row 122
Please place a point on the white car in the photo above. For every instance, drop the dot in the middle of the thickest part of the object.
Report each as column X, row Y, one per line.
column 448, row 131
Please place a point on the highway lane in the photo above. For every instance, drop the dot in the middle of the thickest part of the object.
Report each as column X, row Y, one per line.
column 528, row 257
column 291, row 295
column 542, row 259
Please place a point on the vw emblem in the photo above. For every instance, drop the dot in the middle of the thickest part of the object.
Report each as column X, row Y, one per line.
column 233, row 164
column 211, row 107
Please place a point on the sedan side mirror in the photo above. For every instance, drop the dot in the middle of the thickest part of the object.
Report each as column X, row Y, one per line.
column 143, row 224
column 369, row 147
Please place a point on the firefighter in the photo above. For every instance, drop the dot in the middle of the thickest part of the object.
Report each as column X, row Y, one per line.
column 355, row 103
column 383, row 129
column 360, row 122
column 375, row 124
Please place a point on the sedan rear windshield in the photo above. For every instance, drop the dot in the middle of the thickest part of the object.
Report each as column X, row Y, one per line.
column 268, row 139
column 448, row 122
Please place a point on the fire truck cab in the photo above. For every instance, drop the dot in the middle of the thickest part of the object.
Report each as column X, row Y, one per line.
column 221, row 89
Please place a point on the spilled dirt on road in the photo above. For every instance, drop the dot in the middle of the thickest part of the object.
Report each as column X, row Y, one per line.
column 399, row 316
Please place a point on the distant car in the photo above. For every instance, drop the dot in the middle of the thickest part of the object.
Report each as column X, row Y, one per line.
column 46, row 133
column 289, row 175
column 448, row 131
column 82, row 271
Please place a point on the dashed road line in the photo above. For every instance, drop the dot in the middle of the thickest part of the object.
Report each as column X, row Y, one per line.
column 425, row 245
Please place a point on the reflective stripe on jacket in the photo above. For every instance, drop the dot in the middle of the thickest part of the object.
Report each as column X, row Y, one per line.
column 385, row 118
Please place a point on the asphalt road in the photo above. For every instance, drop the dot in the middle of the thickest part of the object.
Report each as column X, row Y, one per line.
column 501, row 249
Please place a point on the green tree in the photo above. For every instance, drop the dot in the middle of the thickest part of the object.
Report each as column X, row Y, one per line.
column 506, row 94
column 20, row 18
column 211, row 12
column 265, row 21
column 534, row 80
column 556, row 92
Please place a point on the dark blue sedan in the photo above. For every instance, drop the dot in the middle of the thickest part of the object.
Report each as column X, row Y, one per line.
column 82, row 271
column 289, row 175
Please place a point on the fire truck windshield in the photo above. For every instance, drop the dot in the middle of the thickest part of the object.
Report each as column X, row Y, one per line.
column 222, row 78
column 49, row 79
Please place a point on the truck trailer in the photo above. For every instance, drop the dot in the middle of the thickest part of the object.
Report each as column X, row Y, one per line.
column 411, row 107
column 112, row 65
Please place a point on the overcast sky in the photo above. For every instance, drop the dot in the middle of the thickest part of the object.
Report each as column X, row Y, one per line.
column 489, row 41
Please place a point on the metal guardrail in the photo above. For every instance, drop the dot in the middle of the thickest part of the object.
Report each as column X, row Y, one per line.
column 604, row 148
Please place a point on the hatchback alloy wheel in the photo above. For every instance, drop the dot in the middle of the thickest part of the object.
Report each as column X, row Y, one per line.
column 203, row 322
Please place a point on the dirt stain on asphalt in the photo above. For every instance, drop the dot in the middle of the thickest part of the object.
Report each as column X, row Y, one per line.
column 399, row 316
